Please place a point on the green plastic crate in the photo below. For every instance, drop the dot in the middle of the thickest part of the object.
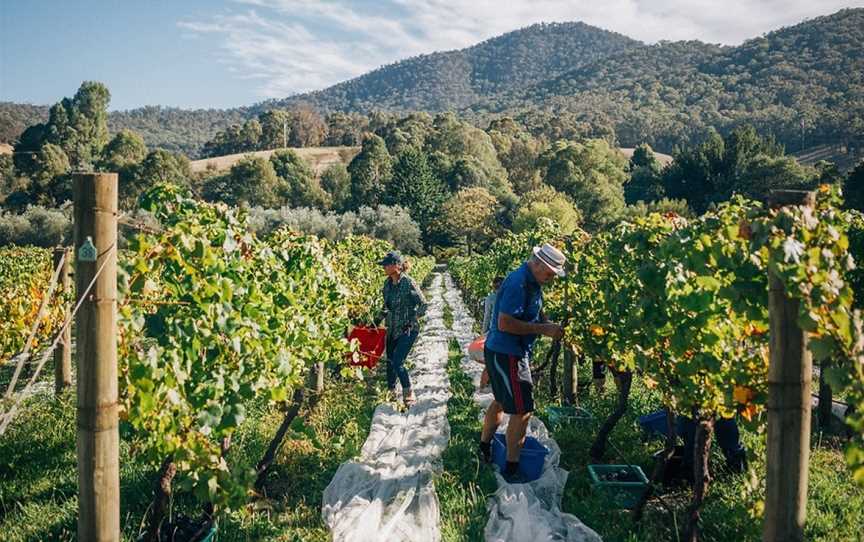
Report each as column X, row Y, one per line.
column 624, row 493
column 211, row 536
column 559, row 415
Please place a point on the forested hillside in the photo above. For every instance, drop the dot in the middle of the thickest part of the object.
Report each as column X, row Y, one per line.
column 177, row 130
column 457, row 184
column 458, row 79
column 15, row 118
column 803, row 85
column 170, row 128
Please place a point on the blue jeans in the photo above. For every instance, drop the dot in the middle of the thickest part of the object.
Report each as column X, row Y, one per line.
column 397, row 351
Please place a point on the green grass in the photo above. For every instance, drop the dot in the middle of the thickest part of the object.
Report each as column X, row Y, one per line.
column 464, row 484
column 39, row 480
column 625, row 446
column 448, row 316
column 313, row 450
column 38, row 477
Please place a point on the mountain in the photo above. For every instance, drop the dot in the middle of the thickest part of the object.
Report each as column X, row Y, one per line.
column 15, row 118
column 457, row 79
column 803, row 84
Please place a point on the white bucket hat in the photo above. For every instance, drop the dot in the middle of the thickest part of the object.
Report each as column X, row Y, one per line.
column 553, row 258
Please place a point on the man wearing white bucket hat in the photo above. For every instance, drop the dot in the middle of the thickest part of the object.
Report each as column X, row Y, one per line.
column 517, row 321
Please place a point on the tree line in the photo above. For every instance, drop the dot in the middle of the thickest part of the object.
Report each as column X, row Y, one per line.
column 459, row 185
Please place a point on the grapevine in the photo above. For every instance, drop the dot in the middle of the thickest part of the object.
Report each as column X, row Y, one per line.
column 24, row 277
column 685, row 303
column 213, row 318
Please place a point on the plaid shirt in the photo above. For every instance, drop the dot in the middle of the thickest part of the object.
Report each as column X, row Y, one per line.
column 403, row 304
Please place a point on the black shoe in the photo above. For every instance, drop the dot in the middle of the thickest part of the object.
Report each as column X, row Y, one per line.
column 514, row 478
column 484, row 453
column 736, row 462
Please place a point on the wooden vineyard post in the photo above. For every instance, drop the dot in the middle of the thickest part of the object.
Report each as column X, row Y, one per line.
column 571, row 375
column 63, row 353
column 789, row 405
column 319, row 378
column 95, row 198
column 826, row 398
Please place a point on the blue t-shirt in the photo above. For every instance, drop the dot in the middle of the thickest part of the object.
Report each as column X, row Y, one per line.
column 520, row 297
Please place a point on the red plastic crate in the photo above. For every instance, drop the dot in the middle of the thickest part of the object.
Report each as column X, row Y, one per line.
column 371, row 345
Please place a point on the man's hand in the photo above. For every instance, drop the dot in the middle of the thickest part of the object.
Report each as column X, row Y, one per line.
column 509, row 324
column 553, row 330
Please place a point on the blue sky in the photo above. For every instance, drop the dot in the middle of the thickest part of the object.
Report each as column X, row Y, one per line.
column 225, row 53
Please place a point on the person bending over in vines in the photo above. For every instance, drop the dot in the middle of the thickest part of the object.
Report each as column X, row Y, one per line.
column 404, row 304
column 489, row 303
column 488, row 307
column 726, row 435
column 517, row 320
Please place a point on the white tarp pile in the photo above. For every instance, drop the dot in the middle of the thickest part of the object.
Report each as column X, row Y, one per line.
column 520, row 512
column 388, row 494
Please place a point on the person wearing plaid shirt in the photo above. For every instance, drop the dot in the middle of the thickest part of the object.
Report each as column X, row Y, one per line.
column 404, row 304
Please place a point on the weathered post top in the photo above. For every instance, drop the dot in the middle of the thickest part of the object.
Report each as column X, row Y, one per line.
column 781, row 198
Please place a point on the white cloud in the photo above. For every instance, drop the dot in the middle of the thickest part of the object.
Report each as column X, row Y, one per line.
column 289, row 46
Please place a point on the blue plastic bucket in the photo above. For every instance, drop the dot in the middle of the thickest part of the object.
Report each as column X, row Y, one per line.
column 531, row 458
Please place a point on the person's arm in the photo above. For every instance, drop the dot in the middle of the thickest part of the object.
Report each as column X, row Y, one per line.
column 488, row 309
column 382, row 314
column 514, row 326
column 512, row 300
column 420, row 304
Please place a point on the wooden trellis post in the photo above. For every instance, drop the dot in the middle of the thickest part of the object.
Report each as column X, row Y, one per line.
column 95, row 196
column 571, row 373
column 826, row 397
column 789, row 405
column 319, row 377
column 63, row 353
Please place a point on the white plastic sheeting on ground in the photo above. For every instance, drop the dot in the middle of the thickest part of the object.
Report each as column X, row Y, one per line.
column 520, row 512
column 387, row 494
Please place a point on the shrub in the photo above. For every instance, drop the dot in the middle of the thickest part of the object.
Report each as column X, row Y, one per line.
column 392, row 224
column 37, row 226
column 663, row 206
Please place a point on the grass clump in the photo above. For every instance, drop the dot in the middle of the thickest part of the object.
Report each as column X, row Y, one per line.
column 465, row 483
